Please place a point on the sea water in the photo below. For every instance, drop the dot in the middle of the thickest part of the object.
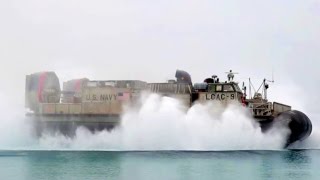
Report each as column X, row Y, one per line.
column 298, row 164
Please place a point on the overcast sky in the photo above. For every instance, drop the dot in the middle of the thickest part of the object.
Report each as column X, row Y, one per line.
column 149, row 40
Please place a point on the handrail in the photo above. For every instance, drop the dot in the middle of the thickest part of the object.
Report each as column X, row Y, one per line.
column 259, row 104
column 261, row 109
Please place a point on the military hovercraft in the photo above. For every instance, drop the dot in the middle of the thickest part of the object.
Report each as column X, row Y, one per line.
column 98, row 105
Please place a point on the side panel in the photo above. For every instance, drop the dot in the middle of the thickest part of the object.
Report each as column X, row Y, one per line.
column 279, row 108
column 62, row 108
column 48, row 108
column 104, row 100
column 75, row 108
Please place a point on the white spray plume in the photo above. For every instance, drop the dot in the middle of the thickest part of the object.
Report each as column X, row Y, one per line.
column 15, row 132
column 159, row 123
column 163, row 123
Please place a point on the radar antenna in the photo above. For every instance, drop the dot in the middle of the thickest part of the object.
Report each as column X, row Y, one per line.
column 231, row 75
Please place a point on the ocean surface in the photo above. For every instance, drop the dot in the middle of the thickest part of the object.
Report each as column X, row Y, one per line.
column 287, row 164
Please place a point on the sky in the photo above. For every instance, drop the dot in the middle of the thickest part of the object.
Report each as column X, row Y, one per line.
column 149, row 40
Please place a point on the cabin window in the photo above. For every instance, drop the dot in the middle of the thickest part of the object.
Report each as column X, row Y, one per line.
column 212, row 88
column 219, row 88
column 228, row 88
column 237, row 88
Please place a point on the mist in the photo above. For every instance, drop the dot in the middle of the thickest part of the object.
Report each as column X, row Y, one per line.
column 148, row 41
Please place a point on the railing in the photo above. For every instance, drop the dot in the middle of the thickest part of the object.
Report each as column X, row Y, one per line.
column 261, row 109
column 170, row 88
column 57, row 108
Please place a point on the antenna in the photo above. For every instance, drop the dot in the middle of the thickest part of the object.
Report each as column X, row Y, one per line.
column 250, row 95
column 263, row 87
column 251, row 86
column 272, row 81
column 244, row 88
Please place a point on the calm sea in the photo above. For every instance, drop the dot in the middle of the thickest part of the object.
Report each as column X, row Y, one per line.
column 299, row 164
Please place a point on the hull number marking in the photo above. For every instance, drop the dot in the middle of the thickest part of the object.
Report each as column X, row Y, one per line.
column 220, row 97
